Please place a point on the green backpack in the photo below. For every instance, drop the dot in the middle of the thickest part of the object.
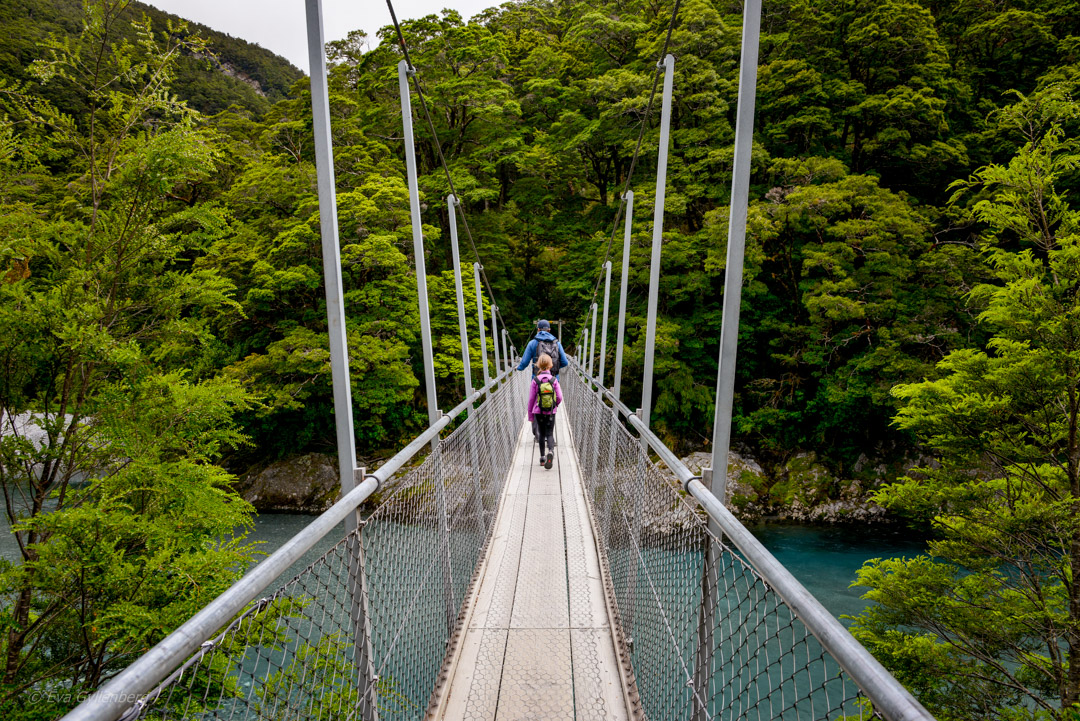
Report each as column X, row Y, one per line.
column 545, row 393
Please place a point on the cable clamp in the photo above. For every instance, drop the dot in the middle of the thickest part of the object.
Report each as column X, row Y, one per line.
column 686, row 486
column 410, row 71
column 378, row 481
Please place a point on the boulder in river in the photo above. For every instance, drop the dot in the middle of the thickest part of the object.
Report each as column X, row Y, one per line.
column 303, row 484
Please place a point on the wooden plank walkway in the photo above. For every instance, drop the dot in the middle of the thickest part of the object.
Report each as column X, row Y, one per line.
column 538, row 642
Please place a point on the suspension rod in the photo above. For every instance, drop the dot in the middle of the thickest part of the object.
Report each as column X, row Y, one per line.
column 657, row 240
column 740, row 199
column 451, row 204
column 625, row 276
column 592, row 340
column 604, row 323
column 495, row 336
column 480, row 320
column 418, row 240
column 331, row 249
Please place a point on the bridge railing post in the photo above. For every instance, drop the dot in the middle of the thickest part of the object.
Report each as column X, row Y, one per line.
column 363, row 654
column 592, row 342
column 604, row 323
column 459, row 293
column 350, row 476
column 404, row 73
column 506, row 349
column 729, row 334
column 495, row 337
column 623, row 281
column 480, row 319
column 637, row 513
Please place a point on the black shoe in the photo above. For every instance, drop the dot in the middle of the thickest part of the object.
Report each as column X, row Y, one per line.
column 542, row 461
column 547, row 464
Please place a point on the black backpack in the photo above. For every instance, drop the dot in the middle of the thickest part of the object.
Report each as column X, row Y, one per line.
column 551, row 347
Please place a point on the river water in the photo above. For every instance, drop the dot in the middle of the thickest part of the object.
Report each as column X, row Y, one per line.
column 822, row 558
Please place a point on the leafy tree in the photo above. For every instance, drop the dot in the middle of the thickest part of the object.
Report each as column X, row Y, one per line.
column 987, row 625
column 109, row 442
column 848, row 300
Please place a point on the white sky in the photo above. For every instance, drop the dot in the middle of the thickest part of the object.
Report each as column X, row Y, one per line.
column 280, row 25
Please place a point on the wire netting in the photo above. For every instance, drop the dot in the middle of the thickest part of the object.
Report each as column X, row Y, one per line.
column 363, row 631
column 706, row 635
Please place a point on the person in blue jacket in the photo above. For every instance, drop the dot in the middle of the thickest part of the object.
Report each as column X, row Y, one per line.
column 544, row 342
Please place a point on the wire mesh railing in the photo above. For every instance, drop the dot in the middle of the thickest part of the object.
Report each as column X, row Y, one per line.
column 706, row 635
column 362, row 632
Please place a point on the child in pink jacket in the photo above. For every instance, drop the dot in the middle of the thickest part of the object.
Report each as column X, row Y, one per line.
column 542, row 406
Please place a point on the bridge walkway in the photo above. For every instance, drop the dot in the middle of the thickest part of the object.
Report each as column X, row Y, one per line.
column 537, row 641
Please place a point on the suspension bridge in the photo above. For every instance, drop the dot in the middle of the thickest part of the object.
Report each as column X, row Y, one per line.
column 477, row 584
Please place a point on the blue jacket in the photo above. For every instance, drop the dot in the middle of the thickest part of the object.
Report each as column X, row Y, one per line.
column 530, row 351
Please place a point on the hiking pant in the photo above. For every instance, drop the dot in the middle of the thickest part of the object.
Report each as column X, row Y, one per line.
column 545, row 426
column 536, row 433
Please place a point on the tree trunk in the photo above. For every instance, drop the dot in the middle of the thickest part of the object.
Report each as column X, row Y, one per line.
column 17, row 635
column 1071, row 693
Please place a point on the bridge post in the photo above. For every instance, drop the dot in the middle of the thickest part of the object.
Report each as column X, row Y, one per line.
column 459, row 293
column 480, row 320
column 715, row 478
column 604, row 324
column 339, row 352
column 495, row 336
column 595, row 432
column 637, row 514
column 404, row 71
column 451, row 203
column 610, row 468
column 363, row 654
column 628, row 198
column 506, row 350
column 657, row 240
column 584, row 349
column 592, row 343
column 331, row 249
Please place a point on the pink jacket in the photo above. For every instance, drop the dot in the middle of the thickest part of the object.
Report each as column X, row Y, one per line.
column 534, row 394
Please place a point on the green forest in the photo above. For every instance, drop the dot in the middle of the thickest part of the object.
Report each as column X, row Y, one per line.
column 911, row 291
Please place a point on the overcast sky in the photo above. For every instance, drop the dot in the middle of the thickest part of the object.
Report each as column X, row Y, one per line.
column 279, row 25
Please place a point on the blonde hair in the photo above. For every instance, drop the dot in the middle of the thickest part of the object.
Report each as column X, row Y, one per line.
column 544, row 362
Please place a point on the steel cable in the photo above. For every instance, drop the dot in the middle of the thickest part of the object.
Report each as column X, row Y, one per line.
column 637, row 152
column 414, row 73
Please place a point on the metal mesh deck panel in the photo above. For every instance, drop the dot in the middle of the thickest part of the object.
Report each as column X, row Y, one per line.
column 384, row 600
column 706, row 640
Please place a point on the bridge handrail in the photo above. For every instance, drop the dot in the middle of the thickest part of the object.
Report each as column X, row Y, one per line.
column 889, row 697
column 114, row 698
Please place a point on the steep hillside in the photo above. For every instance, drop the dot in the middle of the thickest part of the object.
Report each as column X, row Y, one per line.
column 239, row 73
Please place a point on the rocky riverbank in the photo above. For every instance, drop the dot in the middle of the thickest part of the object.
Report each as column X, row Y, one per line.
column 801, row 490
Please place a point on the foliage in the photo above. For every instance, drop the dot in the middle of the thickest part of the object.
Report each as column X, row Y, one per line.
column 124, row 524
column 987, row 625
